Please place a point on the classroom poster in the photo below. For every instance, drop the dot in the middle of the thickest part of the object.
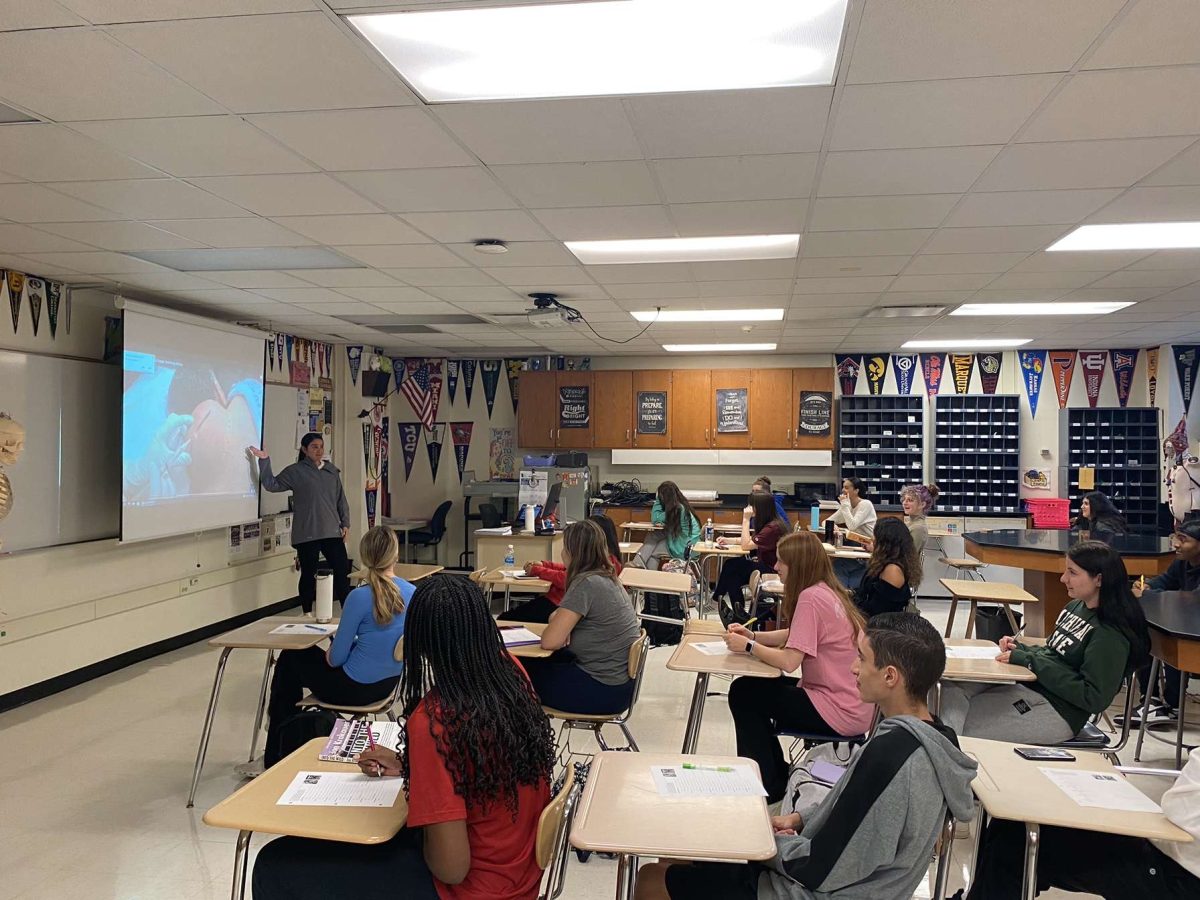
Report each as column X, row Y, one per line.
column 1092, row 363
column 1187, row 358
column 733, row 408
column 1123, row 364
column 931, row 368
column 501, row 454
column 410, row 433
column 847, row 372
column 989, row 371
column 1062, row 370
column 905, row 367
column 816, row 414
column 1033, row 366
column 460, row 437
column 961, row 366
column 1152, row 372
column 876, row 364
column 574, row 406
column 652, row 412
column 490, row 370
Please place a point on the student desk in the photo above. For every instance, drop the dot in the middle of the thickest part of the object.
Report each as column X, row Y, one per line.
column 641, row 580
column 984, row 671
column 621, row 812
column 255, row 636
column 527, row 547
column 687, row 658
column 629, row 549
column 403, row 527
column 1009, row 787
column 629, row 529
column 984, row 592
column 1174, row 620
column 703, row 626
column 253, row 807
column 528, row 651
column 845, row 552
column 496, row 578
column 705, row 552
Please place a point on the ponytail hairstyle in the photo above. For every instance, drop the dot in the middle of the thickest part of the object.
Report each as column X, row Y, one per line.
column 306, row 440
column 924, row 494
column 893, row 544
column 676, row 510
column 1118, row 607
column 587, row 547
column 808, row 564
column 859, row 485
column 379, row 550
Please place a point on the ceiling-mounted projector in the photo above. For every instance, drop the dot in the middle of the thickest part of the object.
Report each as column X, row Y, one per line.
column 547, row 312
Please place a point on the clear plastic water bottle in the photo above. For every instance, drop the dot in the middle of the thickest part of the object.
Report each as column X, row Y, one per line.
column 708, row 532
column 510, row 557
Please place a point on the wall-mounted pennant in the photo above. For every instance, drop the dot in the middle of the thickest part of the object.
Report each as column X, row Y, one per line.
column 989, row 371
column 354, row 355
column 384, row 444
column 876, row 364
column 271, row 350
column 1092, row 364
column 16, row 286
column 435, row 385
column 931, row 367
column 54, row 292
column 279, row 341
column 847, row 372
column 490, row 372
column 1123, row 364
column 398, row 368
column 961, row 366
column 905, row 367
column 468, row 378
column 36, row 288
column 1033, row 367
column 452, row 369
column 289, row 351
column 434, row 436
column 410, row 433
column 460, row 436
column 1152, row 372
column 513, row 368
column 1187, row 358
column 1062, row 371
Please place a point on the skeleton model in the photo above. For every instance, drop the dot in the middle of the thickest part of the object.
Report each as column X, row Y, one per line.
column 1184, row 487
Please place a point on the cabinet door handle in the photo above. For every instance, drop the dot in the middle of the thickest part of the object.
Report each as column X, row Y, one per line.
column 627, row 432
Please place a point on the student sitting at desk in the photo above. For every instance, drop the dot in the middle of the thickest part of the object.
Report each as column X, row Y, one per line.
column 1099, row 516
column 917, row 500
column 680, row 527
column 1094, row 862
column 597, row 620
column 477, row 763
column 769, row 529
column 540, row 608
column 893, row 571
column 820, row 640
column 360, row 667
column 1099, row 637
column 873, row 835
column 855, row 512
column 762, row 485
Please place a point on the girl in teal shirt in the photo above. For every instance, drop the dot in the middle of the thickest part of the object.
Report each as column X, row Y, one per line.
column 680, row 527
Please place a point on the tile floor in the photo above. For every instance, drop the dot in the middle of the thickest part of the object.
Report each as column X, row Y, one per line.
column 96, row 779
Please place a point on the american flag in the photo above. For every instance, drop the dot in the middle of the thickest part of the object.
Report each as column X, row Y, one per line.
column 416, row 388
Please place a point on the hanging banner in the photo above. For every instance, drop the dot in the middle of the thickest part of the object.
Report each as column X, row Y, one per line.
column 16, row 285
column 290, row 343
column 434, row 436
column 416, row 389
column 354, row 355
column 398, row 364
column 502, row 451
column 279, row 340
column 468, row 377
column 989, row 371
column 271, row 349
column 1092, row 364
column 369, row 487
column 1187, row 357
column 1152, row 372
column 905, row 368
column 434, row 369
column 1062, row 370
column 961, row 365
column 410, row 432
column 53, row 302
column 512, row 368
column 460, row 436
column 384, row 443
column 876, row 364
column 490, row 370
column 931, row 367
column 36, row 289
column 1033, row 367
column 1123, row 364
column 452, row 378
column 847, row 372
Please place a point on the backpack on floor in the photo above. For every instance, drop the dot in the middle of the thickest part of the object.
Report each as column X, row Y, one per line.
column 297, row 730
column 804, row 791
column 667, row 606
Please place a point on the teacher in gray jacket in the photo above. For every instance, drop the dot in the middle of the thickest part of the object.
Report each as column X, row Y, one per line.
column 320, row 518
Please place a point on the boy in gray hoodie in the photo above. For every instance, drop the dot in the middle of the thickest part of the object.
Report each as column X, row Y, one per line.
column 872, row 838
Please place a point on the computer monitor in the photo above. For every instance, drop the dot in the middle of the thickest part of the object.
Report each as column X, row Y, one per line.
column 552, row 496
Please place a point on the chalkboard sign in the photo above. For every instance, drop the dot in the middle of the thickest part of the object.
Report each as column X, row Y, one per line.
column 816, row 408
column 732, row 410
column 652, row 412
column 574, row 406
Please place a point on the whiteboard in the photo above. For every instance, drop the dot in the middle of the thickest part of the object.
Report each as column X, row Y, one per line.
column 280, row 419
column 66, row 482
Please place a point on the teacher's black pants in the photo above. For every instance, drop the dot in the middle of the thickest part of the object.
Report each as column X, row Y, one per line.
column 310, row 553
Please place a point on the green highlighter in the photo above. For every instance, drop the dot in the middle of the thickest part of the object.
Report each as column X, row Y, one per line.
column 708, row 768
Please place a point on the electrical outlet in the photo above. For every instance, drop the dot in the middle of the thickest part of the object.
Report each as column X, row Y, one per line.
column 184, row 587
column 193, row 581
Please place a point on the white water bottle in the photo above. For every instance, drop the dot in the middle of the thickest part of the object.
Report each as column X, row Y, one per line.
column 324, row 606
column 510, row 557
column 708, row 532
column 529, row 518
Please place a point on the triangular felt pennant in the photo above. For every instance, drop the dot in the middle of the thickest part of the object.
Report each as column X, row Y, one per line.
column 1187, row 358
column 468, row 378
column 1093, row 363
column 931, row 367
column 410, row 433
column 384, row 443
column 1033, row 367
column 1062, row 371
column 460, row 436
column 289, row 352
column 435, row 385
column 36, row 288
column 490, row 372
column 513, row 368
column 989, row 371
column 279, row 339
column 876, row 364
column 961, row 365
column 452, row 368
column 16, row 286
column 434, row 436
column 847, row 372
column 1123, row 364
column 905, row 367
column 54, row 292
column 1152, row 372
column 398, row 369
column 354, row 355
column 271, row 350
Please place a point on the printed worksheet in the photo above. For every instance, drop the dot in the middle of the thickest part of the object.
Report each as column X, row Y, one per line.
column 688, row 780
column 991, row 651
column 340, row 789
column 711, row 648
column 519, row 636
column 304, row 628
column 1105, row 790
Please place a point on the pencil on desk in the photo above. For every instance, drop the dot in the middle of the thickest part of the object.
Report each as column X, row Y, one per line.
column 370, row 737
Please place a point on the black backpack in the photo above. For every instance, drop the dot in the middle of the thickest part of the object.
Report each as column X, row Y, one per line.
column 295, row 731
column 667, row 606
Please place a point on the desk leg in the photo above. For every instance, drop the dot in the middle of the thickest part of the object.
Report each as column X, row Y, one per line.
column 464, row 558
column 977, row 826
column 1183, row 686
column 241, row 862
column 262, row 705
column 627, row 869
column 971, row 619
column 950, row 618
column 208, row 721
column 1033, row 837
column 1151, row 682
column 507, row 597
column 1012, row 620
column 691, row 733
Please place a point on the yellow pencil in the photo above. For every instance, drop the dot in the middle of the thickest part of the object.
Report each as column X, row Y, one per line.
column 1142, row 583
column 750, row 621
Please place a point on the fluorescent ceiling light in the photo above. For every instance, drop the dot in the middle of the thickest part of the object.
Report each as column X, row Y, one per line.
column 694, row 249
column 1096, row 308
column 1131, row 236
column 248, row 260
column 601, row 48
column 708, row 315
column 968, row 344
column 717, row 348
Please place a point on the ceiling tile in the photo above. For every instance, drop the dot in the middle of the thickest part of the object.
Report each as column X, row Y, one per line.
column 599, row 223
column 1164, row 278
column 664, row 290
column 845, row 285
column 343, row 278
column 997, row 240
column 19, row 15
column 643, row 273
column 1028, row 207
column 34, row 203
column 911, row 211
column 383, row 296
column 524, row 275
column 157, row 198
column 960, row 282
column 1161, row 259
column 1153, row 204
column 893, row 242
column 269, row 63
column 937, row 113
column 45, row 152
column 1081, row 261
column 23, row 239
column 121, row 236
column 401, row 255
column 767, row 177
column 248, row 231
column 742, row 217
column 740, row 270
column 1152, row 33
column 1047, row 280
column 840, row 266
column 104, row 12
column 757, row 287
column 100, row 262
column 427, row 277
column 164, row 280
column 467, row 227
column 196, row 145
column 520, row 253
column 430, row 190
column 1078, row 164
column 255, row 280
column 962, row 263
column 731, row 123
column 579, row 184
column 303, row 295
column 861, row 173
column 1184, row 169
column 476, row 293
column 353, row 229
column 287, row 195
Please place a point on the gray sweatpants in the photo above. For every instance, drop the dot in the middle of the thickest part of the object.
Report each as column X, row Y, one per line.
column 1002, row 712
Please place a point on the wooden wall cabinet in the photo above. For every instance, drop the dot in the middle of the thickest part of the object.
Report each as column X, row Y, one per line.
column 537, row 410
column 690, row 415
column 772, row 409
column 612, row 408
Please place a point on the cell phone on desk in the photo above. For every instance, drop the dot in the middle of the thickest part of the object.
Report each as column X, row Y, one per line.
column 1044, row 754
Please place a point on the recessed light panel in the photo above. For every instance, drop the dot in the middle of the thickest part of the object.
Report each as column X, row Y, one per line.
column 1097, row 308
column 708, row 315
column 1132, row 236
column 718, row 348
column 606, row 48
column 694, row 249
column 967, row 344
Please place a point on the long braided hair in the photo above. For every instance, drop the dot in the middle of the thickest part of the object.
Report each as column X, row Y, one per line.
column 484, row 716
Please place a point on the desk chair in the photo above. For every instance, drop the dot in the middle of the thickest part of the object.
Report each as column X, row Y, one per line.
column 1090, row 738
column 370, row 709
column 489, row 516
column 554, row 825
column 964, row 567
column 595, row 723
column 437, row 530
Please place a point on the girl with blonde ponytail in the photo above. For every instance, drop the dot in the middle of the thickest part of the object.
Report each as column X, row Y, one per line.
column 361, row 666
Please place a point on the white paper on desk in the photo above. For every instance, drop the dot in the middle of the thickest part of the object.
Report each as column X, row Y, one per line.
column 1105, row 790
column 519, row 636
column 501, row 530
column 676, row 781
column 514, row 573
column 340, row 789
column 989, row 652
column 303, row 628
column 711, row 648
